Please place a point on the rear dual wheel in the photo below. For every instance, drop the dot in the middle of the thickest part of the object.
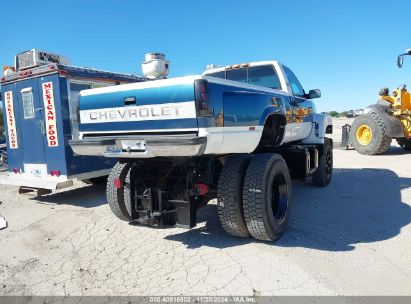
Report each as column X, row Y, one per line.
column 118, row 191
column 230, row 195
column 254, row 196
column 266, row 197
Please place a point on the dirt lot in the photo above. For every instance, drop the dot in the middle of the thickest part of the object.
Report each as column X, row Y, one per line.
column 351, row 238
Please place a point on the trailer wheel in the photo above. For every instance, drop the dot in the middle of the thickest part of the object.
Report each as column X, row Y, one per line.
column 118, row 191
column 322, row 176
column 266, row 197
column 404, row 143
column 368, row 134
column 230, row 195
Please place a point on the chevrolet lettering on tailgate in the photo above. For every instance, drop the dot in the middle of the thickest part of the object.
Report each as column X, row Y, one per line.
column 137, row 113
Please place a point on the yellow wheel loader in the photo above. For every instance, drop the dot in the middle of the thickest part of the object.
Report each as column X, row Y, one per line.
column 372, row 132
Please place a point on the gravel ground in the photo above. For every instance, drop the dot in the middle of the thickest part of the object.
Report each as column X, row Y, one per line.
column 351, row 238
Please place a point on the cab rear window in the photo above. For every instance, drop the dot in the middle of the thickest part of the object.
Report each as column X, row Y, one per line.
column 237, row 74
column 263, row 75
column 218, row 74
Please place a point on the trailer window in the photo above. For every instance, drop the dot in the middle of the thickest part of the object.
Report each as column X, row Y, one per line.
column 28, row 107
column 75, row 89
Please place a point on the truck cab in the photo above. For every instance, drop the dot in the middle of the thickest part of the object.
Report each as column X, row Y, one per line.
column 269, row 74
column 299, row 109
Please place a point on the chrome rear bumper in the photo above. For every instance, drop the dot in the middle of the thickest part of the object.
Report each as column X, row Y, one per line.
column 140, row 146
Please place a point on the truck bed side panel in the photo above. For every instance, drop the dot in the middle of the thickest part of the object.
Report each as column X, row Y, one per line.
column 239, row 115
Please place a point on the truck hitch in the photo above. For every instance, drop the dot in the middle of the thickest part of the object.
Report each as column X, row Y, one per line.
column 154, row 208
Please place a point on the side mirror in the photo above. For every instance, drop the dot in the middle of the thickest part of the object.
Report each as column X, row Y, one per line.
column 316, row 93
column 400, row 61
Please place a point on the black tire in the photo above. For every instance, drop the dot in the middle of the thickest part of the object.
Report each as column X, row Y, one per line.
column 230, row 195
column 323, row 175
column 267, row 197
column 380, row 141
column 119, row 198
column 404, row 143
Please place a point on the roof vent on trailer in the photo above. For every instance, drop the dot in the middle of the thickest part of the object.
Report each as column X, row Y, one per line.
column 34, row 57
column 155, row 66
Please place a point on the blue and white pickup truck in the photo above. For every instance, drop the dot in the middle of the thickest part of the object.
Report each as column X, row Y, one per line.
column 236, row 133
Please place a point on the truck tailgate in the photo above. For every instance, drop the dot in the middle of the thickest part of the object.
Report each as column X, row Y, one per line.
column 148, row 119
column 139, row 108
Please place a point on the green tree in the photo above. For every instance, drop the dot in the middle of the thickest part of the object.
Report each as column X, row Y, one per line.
column 333, row 114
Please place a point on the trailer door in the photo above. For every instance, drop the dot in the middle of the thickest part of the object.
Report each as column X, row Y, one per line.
column 31, row 121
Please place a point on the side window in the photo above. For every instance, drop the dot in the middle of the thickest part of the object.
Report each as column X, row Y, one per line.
column 296, row 86
column 264, row 76
column 28, row 106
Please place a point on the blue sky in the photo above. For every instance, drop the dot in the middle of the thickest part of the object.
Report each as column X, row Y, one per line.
column 348, row 49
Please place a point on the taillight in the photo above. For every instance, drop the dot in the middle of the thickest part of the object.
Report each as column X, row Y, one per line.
column 55, row 173
column 203, row 100
column 202, row 189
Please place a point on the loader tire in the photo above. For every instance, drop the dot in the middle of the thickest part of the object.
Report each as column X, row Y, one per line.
column 118, row 197
column 323, row 175
column 230, row 195
column 369, row 135
column 404, row 143
column 267, row 197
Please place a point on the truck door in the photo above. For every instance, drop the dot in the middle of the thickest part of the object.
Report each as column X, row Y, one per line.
column 302, row 108
column 31, row 121
column 11, row 115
